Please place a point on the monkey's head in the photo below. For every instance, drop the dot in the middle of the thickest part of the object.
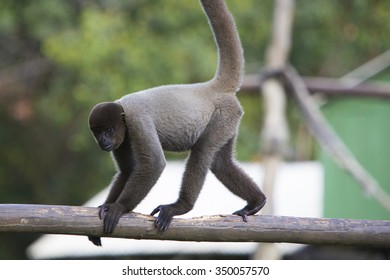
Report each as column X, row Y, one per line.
column 108, row 125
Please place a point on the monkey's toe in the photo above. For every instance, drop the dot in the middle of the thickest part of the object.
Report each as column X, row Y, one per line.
column 243, row 214
column 156, row 210
column 249, row 210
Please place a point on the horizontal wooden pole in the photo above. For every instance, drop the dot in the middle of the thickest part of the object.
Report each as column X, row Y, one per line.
column 328, row 86
column 78, row 220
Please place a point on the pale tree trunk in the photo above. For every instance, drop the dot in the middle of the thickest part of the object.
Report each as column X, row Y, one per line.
column 275, row 132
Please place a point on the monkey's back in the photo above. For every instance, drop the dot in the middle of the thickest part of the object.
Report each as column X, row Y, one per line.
column 179, row 113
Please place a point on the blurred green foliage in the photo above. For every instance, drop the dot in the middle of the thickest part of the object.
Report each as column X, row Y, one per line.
column 58, row 58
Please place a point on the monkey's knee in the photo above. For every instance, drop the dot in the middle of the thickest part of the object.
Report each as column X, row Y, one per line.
column 221, row 167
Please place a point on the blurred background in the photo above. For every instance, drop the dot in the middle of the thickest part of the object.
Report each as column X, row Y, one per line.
column 58, row 58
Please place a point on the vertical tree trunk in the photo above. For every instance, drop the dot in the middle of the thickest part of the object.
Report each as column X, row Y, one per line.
column 275, row 132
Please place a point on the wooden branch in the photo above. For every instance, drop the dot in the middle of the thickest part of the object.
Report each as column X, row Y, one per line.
column 84, row 221
column 367, row 70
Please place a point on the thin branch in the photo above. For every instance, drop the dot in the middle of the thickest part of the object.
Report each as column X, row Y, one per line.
column 84, row 221
column 367, row 70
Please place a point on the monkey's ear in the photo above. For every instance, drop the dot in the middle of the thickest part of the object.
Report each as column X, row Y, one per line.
column 123, row 117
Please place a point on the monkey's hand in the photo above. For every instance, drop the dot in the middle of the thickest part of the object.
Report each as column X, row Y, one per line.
column 110, row 214
column 164, row 219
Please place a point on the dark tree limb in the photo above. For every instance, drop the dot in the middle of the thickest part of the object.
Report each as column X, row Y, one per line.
column 84, row 221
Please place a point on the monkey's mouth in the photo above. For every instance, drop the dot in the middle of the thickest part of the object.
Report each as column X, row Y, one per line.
column 107, row 148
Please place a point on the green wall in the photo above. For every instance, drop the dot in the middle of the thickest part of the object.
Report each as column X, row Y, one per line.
column 364, row 126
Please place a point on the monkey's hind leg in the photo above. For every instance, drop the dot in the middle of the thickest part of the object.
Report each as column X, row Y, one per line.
column 237, row 181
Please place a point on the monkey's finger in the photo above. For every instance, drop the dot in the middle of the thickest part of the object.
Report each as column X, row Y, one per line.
column 103, row 209
column 112, row 216
column 159, row 225
column 163, row 221
column 155, row 211
column 165, row 225
column 109, row 223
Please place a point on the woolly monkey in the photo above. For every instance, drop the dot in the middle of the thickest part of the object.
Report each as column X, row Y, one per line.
column 202, row 118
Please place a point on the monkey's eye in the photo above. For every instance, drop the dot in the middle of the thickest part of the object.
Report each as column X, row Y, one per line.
column 110, row 130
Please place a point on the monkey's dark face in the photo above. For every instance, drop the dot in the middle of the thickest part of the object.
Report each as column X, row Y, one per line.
column 108, row 138
column 108, row 126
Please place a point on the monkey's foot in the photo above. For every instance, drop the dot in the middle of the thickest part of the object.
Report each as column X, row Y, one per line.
column 164, row 219
column 110, row 214
column 95, row 240
column 249, row 210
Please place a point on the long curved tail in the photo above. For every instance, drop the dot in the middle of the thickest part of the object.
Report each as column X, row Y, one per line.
column 228, row 76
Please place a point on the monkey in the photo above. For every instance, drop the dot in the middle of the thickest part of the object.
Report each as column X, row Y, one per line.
column 202, row 118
